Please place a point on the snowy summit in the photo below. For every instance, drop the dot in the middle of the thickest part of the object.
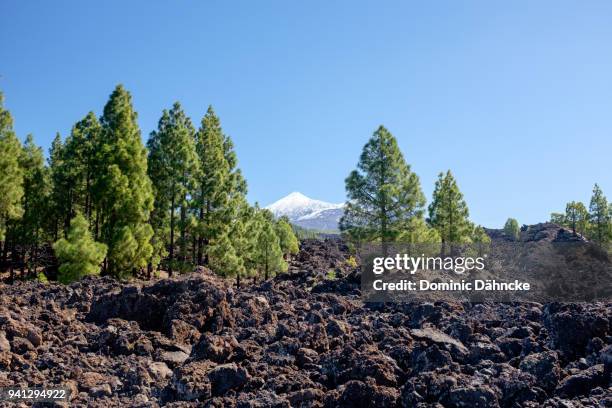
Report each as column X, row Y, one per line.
column 307, row 212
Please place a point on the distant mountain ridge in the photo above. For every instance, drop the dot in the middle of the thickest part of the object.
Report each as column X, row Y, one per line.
column 307, row 212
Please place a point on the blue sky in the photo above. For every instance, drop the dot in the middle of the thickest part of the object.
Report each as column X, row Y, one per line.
column 514, row 97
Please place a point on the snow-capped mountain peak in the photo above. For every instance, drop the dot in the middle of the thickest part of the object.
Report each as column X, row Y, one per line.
column 307, row 212
column 297, row 204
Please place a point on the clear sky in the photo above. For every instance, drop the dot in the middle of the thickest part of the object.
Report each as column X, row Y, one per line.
column 514, row 97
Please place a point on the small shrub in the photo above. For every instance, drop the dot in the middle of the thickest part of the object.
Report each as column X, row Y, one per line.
column 351, row 262
column 79, row 255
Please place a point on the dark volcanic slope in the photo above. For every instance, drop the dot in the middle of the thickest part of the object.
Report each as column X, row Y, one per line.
column 298, row 340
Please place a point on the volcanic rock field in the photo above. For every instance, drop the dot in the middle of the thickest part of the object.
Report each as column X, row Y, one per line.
column 302, row 339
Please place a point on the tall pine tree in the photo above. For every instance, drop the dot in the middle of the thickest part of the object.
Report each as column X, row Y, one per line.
column 269, row 255
column 220, row 186
column 74, row 172
column 11, row 173
column 59, row 188
column 211, row 194
column 383, row 194
column 80, row 155
column 34, row 201
column 577, row 217
column 598, row 216
column 448, row 212
column 122, row 188
column 173, row 168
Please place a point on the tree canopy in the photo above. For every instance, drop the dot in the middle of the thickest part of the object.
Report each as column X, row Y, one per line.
column 384, row 195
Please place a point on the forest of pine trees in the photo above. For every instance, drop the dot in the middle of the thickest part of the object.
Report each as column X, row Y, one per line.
column 594, row 223
column 105, row 203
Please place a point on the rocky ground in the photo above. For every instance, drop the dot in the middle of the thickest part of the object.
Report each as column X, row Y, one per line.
column 303, row 339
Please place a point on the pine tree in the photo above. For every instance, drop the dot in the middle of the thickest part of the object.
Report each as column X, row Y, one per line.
column 598, row 216
column 59, row 188
column 239, row 240
column 269, row 254
column 34, row 201
column 232, row 232
column 243, row 244
column 288, row 241
column 173, row 167
column 213, row 184
column 479, row 235
column 80, row 161
column 245, row 236
column 448, row 212
column 577, row 217
column 78, row 253
column 224, row 259
column 122, row 188
column 481, row 239
column 159, row 219
column 74, row 165
column 383, row 194
column 512, row 229
column 11, row 174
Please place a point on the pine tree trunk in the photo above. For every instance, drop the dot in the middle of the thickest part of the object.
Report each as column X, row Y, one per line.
column 207, row 239
column 55, row 228
column 183, row 234
column 199, row 250
column 200, row 237
column 171, row 252
column 266, row 271
column 97, row 227
column 194, row 253
column 35, row 251
column 68, row 213
column 10, row 245
column 87, row 196
column 4, row 253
